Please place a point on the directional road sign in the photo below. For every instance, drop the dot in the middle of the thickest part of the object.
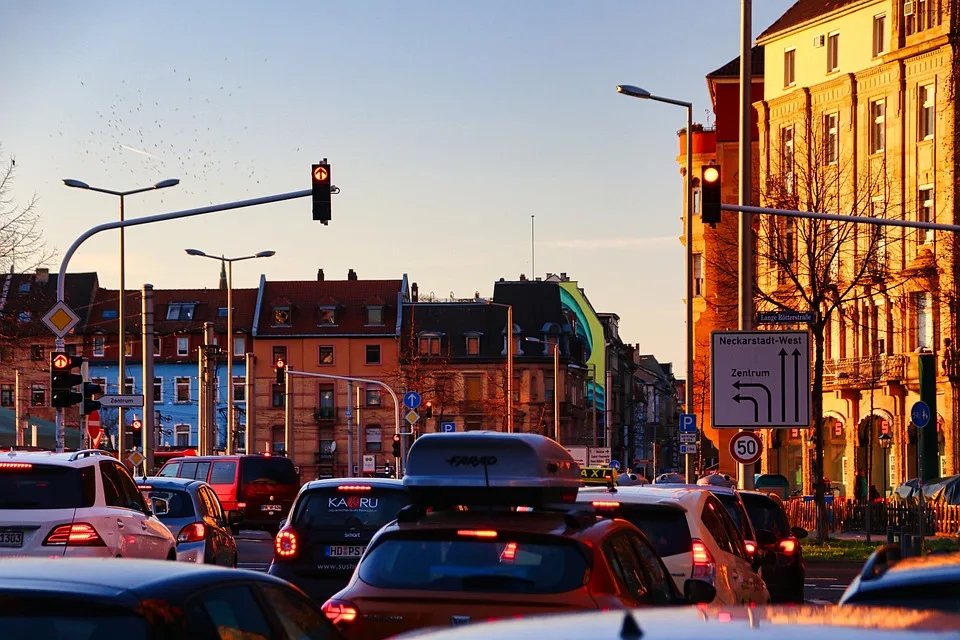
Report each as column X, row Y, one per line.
column 412, row 416
column 760, row 379
column 688, row 449
column 135, row 400
column 785, row 317
column 920, row 414
column 448, row 427
column 60, row 319
column 688, row 423
column 746, row 447
column 615, row 465
column 411, row 399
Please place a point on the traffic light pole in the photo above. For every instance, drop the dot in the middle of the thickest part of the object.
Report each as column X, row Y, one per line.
column 745, row 189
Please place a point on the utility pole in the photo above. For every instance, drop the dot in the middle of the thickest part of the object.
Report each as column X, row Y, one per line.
column 250, row 398
column 288, row 435
column 201, row 401
column 148, row 433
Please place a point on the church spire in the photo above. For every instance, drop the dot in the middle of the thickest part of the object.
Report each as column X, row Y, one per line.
column 223, row 276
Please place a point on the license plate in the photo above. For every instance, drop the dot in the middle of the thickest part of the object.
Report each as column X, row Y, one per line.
column 270, row 507
column 345, row 551
column 11, row 538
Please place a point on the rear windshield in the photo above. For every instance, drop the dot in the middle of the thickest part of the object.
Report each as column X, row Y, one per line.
column 52, row 616
column 936, row 596
column 269, row 470
column 666, row 528
column 331, row 508
column 169, row 470
column 766, row 514
column 47, row 487
column 444, row 561
column 181, row 505
column 732, row 507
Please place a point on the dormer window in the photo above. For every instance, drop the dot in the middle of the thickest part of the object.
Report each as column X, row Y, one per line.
column 327, row 316
column 181, row 310
column 473, row 343
column 517, row 342
column 429, row 344
column 281, row 316
column 375, row 314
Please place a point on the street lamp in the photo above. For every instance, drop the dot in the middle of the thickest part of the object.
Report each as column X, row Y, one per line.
column 229, row 263
column 885, row 441
column 121, row 366
column 556, row 383
column 643, row 94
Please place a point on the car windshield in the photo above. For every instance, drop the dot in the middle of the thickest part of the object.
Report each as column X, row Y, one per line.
column 336, row 507
column 42, row 486
column 735, row 510
column 766, row 514
column 269, row 471
column 446, row 561
column 666, row 528
column 181, row 505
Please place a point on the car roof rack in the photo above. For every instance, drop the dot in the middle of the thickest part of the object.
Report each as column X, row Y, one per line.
column 86, row 453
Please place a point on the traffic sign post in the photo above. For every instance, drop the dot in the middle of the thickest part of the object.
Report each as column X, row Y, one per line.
column 920, row 414
column 746, row 447
column 688, row 449
column 448, row 427
column 412, row 416
column 93, row 429
column 614, row 464
column 60, row 319
column 760, row 379
column 411, row 399
column 688, row 423
column 688, row 438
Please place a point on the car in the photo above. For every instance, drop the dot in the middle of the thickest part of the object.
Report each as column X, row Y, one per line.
column 195, row 517
column 693, row 534
column 82, row 598
column 717, row 623
column 493, row 531
column 786, row 577
column 83, row 503
column 928, row 583
column 329, row 527
column 262, row 487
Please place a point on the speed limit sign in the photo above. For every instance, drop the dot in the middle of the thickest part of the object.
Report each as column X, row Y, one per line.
column 746, row 447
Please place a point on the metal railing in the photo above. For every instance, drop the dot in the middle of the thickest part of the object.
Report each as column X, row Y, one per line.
column 855, row 371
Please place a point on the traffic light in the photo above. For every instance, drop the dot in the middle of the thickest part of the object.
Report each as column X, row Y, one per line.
column 428, row 409
column 280, row 369
column 63, row 379
column 396, row 445
column 710, row 195
column 321, row 192
column 88, row 404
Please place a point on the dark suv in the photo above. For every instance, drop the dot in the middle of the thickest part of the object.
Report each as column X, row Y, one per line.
column 329, row 527
column 785, row 577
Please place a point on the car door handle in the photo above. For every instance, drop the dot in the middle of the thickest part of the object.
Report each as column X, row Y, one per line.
column 119, row 523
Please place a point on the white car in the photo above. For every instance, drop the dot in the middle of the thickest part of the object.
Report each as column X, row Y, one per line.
column 79, row 504
column 694, row 535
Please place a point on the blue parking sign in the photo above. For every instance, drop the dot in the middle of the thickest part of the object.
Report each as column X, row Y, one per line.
column 688, row 423
column 448, row 427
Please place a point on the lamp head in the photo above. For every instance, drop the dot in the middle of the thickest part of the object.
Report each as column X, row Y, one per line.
column 195, row 252
column 77, row 184
column 632, row 91
column 266, row 254
column 171, row 182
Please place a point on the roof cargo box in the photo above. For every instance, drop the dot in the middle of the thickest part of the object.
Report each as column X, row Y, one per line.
column 483, row 468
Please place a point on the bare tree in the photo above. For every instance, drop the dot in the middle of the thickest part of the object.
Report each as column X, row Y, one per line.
column 22, row 245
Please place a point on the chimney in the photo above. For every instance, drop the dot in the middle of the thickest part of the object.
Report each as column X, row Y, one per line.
column 523, row 277
column 320, row 275
column 414, row 292
column 351, row 275
column 563, row 277
column 43, row 275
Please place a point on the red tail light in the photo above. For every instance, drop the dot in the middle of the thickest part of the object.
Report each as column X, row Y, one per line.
column 703, row 566
column 509, row 552
column 339, row 612
column 354, row 487
column 477, row 533
column 286, row 545
column 15, row 466
column 751, row 547
column 78, row 534
column 605, row 504
column 193, row 532
column 788, row 546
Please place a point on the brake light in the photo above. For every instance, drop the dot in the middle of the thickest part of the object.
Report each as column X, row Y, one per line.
column 193, row 532
column 701, row 555
column 339, row 612
column 477, row 533
column 354, row 487
column 605, row 504
column 703, row 566
column 15, row 466
column 788, row 546
column 241, row 505
column 78, row 534
column 146, row 487
column 751, row 547
column 509, row 552
column 286, row 545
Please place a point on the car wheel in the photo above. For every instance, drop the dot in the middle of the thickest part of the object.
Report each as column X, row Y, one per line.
column 172, row 555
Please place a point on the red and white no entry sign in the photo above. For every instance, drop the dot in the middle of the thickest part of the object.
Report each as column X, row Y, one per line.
column 746, row 447
column 93, row 424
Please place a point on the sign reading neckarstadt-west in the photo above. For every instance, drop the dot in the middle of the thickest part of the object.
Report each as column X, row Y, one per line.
column 760, row 379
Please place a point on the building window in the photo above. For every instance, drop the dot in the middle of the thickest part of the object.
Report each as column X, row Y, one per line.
column 182, row 435
column 879, row 35
column 6, row 395
column 128, row 347
column 831, row 140
column 327, row 401
column 183, row 345
column 926, row 123
column 326, row 354
column 473, row 345
column 128, row 386
column 697, row 274
column 239, row 346
column 877, row 126
column 373, row 354
column 373, row 438
column 925, row 213
column 786, row 157
column 922, row 16
column 180, row 311
column 182, row 384
column 239, row 389
column 375, row 315
column 222, row 312
column 36, row 352
column 548, row 386
column 327, row 316
column 789, row 67
column 158, row 390
column 923, row 320
column 429, row 345
column 833, row 52
column 373, row 398
column 277, row 396
column 277, row 438
column 38, row 395
column 99, row 346
column 281, row 316
column 157, row 347
column 279, row 354
column 6, row 353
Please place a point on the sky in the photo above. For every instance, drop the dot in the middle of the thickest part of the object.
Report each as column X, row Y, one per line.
column 447, row 124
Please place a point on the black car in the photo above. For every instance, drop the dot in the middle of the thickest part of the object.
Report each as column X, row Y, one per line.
column 83, row 598
column 785, row 577
column 929, row 583
column 329, row 527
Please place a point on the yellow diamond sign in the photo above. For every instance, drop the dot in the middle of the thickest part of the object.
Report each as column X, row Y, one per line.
column 61, row 319
column 135, row 458
column 412, row 416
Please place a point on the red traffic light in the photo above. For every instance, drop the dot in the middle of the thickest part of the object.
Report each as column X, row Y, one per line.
column 279, row 364
column 320, row 173
column 136, row 424
column 396, row 437
column 61, row 361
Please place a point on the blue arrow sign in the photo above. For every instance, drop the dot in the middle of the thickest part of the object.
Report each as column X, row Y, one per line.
column 688, row 423
column 411, row 399
column 614, row 464
column 920, row 414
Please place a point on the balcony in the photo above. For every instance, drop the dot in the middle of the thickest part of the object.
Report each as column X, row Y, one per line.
column 861, row 372
column 325, row 416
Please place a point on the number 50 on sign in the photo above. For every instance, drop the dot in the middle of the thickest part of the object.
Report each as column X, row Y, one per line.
column 746, row 447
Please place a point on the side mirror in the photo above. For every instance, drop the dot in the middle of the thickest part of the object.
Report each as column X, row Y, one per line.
column 234, row 517
column 799, row 532
column 160, row 506
column 765, row 538
column 698, row 592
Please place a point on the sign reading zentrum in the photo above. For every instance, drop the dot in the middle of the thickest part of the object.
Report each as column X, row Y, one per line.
column 760, row 379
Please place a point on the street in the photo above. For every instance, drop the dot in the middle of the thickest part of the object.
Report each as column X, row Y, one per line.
column 826, row 581
column 255, row 550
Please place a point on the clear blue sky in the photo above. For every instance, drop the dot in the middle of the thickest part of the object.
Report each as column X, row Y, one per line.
column 448, row 124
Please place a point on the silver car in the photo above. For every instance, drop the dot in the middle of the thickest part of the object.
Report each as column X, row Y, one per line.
column 196, row 518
